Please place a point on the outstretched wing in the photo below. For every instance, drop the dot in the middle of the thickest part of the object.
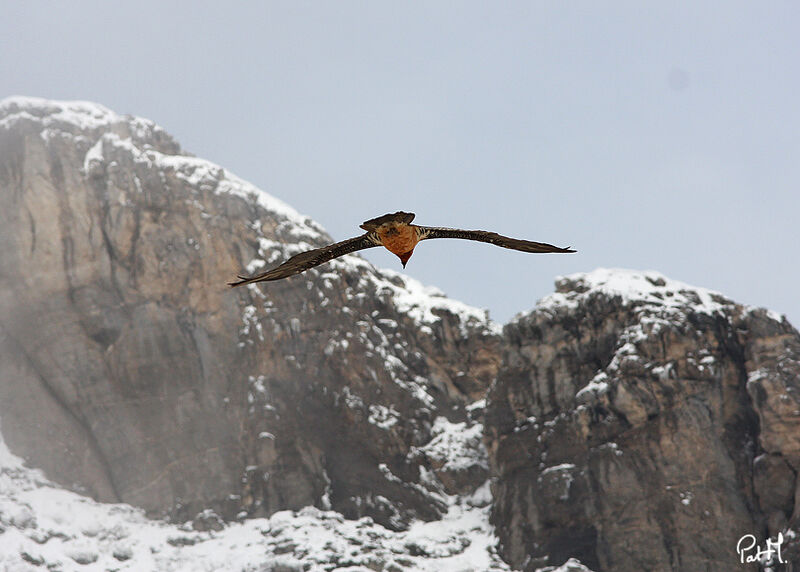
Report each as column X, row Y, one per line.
column 491, row 238
column 311, row 258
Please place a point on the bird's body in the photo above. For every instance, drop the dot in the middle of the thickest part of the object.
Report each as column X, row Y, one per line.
column 395, row 233
column 399, row 238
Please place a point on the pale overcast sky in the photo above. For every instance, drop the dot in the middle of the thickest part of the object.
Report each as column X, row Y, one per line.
column 648, row 135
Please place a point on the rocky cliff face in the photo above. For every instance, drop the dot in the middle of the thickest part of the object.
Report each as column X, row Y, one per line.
column 130, row 370
column 639, row 423
column 632, row 422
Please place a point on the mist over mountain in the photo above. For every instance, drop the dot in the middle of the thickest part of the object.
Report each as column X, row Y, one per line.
column 349, row 417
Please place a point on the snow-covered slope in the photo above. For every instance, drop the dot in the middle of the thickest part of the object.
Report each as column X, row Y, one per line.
column 44, row 526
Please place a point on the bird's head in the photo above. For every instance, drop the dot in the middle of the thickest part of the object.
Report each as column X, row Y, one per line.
column 405, row 256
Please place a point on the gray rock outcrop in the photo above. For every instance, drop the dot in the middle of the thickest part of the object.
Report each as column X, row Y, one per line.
column 639, row 423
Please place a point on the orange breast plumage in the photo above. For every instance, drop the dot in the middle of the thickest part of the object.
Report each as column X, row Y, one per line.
column 398, row 239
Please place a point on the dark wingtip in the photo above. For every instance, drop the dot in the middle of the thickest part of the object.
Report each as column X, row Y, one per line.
column 241, row 280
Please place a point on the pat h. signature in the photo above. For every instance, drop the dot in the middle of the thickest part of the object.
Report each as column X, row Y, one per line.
column 748, row 550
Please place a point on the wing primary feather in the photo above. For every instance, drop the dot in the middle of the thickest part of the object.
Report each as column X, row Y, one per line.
column 311, row 258
column 491, row 238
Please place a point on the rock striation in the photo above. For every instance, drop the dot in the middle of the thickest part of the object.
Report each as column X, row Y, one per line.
column 628, row 422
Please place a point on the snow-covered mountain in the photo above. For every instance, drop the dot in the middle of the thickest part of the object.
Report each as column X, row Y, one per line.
column 349, row 417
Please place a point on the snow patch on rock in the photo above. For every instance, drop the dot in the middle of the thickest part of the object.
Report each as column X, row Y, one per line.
column 635, row 288
column 456, row 446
